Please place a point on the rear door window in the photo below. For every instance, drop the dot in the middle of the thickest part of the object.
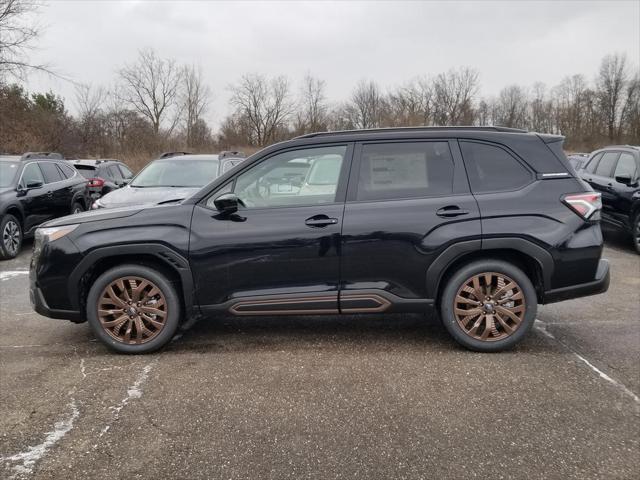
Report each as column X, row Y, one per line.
column 608, row 161
column 126, row 173
column 591, row 166
column 405, row 170
column 114, row 172
column 493, row 169
column 50, row 172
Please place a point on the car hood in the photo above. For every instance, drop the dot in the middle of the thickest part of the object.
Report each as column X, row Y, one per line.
column 129, row 196
column 93, row 216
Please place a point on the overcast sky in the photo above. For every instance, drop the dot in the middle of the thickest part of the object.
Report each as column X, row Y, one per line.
column 340, row 42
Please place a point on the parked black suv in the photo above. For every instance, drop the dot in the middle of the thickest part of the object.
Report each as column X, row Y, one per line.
column 103, row 176
column 615, row 173
column 481, row 223
column 34, row 188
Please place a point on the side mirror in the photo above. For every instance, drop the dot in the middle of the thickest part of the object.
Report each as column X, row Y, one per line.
column 227, row 203
column 624, row 179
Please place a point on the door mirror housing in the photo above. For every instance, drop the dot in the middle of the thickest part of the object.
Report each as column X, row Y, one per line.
column 227, row 203
column 624, row 179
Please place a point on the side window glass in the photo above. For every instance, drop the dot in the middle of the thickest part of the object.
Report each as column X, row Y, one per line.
column 114, row 173
column 50, row 172
column 31, row 175
column 626, row 166
column 605, row 167
column 405, row 170
column 67, row 171
column 591, row 166
column 293, row 178
column 492, row 169
column 126, row 173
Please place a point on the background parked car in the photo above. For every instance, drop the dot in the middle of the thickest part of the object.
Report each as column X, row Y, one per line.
column 578, row 160
column 104, row 176
column 615, row 173
column 34, row 188
column 173, row 176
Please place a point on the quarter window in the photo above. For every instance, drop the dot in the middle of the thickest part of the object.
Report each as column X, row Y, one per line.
column 126, row 173
column 626, row 166
column 67, row 171
column 591, row 167
column 492, row 168
column 605, row 167
column 405, row 170
column 50, row 172
column 293, row 178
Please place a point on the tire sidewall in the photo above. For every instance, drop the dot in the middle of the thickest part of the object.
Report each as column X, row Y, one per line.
column 171, row 297
column 76, row 205
column 4, row 253
column 455, row 282
column 635, row 232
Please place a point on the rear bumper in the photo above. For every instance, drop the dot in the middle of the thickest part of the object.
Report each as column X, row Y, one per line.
column 599, row 285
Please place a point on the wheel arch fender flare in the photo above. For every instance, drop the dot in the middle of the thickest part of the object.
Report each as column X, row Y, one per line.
column 459, row 250
column 164, row 255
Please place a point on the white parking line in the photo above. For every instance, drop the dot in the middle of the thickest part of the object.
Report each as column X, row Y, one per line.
column 25, row 461
column 7, row 274
column 542, row 327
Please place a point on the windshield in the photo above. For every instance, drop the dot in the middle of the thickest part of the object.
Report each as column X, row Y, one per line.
column 177, row 173
column 7, row 173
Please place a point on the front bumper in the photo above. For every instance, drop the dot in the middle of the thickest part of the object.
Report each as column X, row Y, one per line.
column 39, row 304
column 599, row 285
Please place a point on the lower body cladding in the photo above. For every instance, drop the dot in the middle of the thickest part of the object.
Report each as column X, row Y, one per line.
column 324, row 303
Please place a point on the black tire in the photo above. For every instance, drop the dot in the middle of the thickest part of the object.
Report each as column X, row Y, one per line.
column 165, row 287
column 527, row 306
column 76, row 208
column 10, row 237
column 636, row 232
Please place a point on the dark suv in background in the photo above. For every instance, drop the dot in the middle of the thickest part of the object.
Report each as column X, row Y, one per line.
column 103, row 176
column 34, row 188
column 614, row 172
column 480, row 223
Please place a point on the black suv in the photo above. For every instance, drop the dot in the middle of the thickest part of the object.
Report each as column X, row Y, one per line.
column 614, row 172
column 481, row 223
column 34, row 188
column 103, row 176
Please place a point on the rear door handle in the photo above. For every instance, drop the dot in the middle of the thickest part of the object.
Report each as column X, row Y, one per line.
column 320, row 221
column 451, row 211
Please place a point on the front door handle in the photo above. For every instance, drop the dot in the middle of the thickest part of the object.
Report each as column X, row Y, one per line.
column 451, row 211
column 319, row 221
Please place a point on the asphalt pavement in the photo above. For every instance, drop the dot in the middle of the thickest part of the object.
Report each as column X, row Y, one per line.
column 326, row 397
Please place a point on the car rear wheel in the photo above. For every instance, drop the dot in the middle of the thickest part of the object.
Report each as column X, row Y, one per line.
column 10, row 237
column 76, row 208
column 488, row 305
column 133, row 309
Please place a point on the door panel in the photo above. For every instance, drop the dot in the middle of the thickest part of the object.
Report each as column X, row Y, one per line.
column 389, row 243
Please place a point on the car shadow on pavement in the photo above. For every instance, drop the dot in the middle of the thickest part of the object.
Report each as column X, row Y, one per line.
column 618, row 239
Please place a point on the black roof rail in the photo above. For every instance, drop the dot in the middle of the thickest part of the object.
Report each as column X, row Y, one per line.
column 414, row 129
column 173, row 154
column 34, row 155
column 231, row 153
column 635, row 147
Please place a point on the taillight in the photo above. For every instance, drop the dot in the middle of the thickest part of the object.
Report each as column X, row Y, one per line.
column 584, row 204
column 96, row 182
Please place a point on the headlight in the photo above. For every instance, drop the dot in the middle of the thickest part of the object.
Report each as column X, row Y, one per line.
column 49, row 234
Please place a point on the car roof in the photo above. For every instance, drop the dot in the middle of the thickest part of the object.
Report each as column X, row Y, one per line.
column 94, row 162
column 10, row 158
column 190, row 156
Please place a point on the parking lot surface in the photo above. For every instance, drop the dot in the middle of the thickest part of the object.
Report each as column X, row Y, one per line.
column 326, row 397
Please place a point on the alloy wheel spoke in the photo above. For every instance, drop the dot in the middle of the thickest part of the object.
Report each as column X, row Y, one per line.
column 508, row 313
column 461, row 299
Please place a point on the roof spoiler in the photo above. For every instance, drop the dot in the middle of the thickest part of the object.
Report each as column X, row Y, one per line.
column 548, row 138
column 228, row 153
column 173, row 154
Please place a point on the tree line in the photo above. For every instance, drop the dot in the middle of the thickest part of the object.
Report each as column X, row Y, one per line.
column 157, row 105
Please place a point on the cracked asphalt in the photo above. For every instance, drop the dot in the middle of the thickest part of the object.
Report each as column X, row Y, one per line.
column 308, row 397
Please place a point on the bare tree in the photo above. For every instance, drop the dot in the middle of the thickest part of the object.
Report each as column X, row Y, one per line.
column 312, row 114
column 512, row 107
column 264, row 105
column 410, row 105
column 454, row 93
column 367, row 105
column 610, row 84
column 194, row 100
column 17, row 32
column 150, row 86
column 89, row 99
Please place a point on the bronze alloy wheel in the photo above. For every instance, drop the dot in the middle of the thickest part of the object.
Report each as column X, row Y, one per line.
column 132, row 310
column 489, row 306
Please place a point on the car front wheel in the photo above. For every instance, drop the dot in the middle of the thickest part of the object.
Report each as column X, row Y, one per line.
column 11, row 237
column 133, row 309
column 76, row 208
column 488, row 305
